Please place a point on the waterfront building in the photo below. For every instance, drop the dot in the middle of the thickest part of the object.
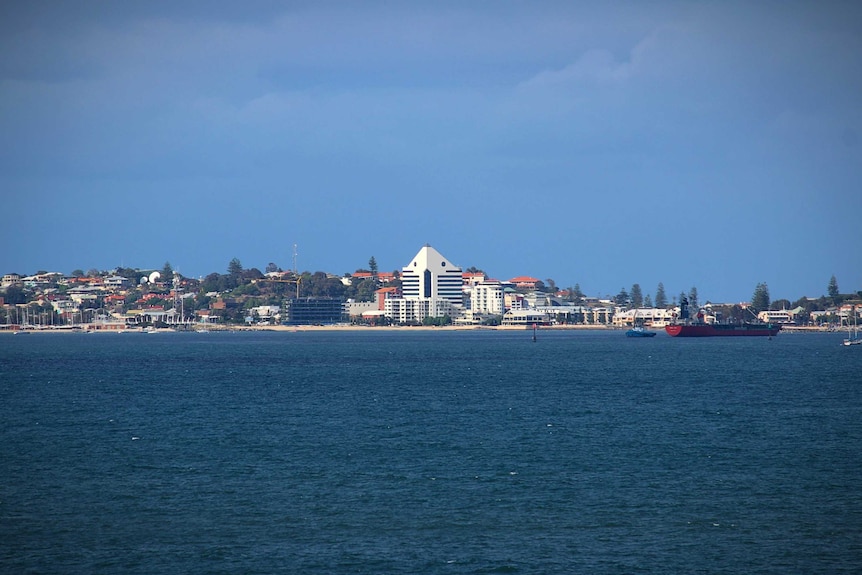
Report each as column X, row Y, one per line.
column 356, row 309
column 414, row 311
column 313, row 311
column 431, row 276
column 650, row 317
column 431, row 286
column 776, row 316
column 487, row 298
column 564, row 314
column 266, row 312
column 600, row 315
column 526, row 317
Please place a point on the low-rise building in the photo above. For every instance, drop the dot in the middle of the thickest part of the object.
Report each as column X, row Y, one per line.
column 10, row 280
column 776, row 316
column 357, row 309
column 526, row 317
column 650, row 317
column 525, row 282
column 266, row 312
column 116, row 282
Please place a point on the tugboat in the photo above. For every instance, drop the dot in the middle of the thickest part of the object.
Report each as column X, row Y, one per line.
column 639, row 331
column 685, row 327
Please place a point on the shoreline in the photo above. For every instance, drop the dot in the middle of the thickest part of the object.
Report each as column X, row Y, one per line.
column 85, row 329
column 297, row 328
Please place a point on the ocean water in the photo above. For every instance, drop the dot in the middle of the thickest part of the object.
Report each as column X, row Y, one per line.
column 429, row 452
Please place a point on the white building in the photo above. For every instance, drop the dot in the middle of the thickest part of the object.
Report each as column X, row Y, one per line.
column 514, row 300
column 487, row 298
column 409, row 311
column 266, row 312
column 650, row 317
column 62, row 306
column 360, row 308
column 430, row 287
column 777, row 316
column 10, row 280
column 431, row 276
column 116, row 282
column 526, row 317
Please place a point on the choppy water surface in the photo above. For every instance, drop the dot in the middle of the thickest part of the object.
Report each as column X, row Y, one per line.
column 429, row 452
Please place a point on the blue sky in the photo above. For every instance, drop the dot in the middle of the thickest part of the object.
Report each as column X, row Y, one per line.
column 707, row 144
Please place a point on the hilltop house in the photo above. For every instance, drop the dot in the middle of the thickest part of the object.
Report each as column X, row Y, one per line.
column 525, row 282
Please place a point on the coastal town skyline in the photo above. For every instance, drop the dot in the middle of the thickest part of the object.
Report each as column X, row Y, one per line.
column 549, row 282
column 429, row 290
column 715, row 146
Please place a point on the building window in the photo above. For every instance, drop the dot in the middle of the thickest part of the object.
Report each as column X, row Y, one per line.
column 427, row 283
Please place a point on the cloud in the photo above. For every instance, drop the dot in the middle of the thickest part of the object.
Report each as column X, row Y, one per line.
column 403, row 84
column 595, row 67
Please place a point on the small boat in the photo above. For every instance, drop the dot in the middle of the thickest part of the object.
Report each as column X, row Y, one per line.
column 639, row 331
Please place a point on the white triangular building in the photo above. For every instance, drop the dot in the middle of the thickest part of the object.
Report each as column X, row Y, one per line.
column 431, row 286
column 430, row 275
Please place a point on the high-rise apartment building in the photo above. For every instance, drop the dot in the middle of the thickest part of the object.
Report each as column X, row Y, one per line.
column 487, row 297
column 431, row 276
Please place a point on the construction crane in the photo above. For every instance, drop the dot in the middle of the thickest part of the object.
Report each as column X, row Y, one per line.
column 296, row 281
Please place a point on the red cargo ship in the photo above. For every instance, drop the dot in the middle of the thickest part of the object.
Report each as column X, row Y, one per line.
column 710, row 330
column 699, row 328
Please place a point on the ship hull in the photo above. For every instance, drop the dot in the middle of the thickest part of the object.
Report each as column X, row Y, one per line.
column 707, row 330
